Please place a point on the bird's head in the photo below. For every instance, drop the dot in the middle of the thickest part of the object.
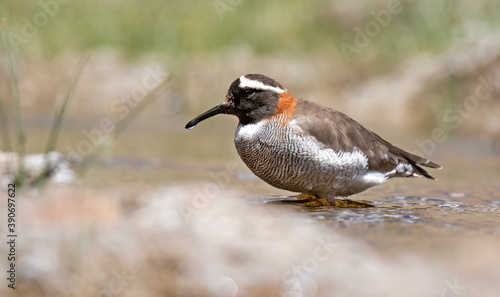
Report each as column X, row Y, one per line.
column 251, row 98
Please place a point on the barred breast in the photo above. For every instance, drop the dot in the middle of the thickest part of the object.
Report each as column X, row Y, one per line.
column 283, row 156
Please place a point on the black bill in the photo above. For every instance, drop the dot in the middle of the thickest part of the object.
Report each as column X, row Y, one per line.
column 221, row 108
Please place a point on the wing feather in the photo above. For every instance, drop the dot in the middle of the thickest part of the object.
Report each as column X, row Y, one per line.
column 340, row 132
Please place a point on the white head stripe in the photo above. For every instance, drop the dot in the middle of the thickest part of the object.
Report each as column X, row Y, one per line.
column 255, row 84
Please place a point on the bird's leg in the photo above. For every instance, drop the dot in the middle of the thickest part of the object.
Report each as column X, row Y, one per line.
column 347, row 203
column 314, row 200
column 311, row 200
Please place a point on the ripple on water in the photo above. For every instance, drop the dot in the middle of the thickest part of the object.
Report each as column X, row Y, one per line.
column 431, row 211
column 494, row 202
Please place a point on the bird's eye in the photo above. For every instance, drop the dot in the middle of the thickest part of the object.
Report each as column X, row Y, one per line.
column 250, row 91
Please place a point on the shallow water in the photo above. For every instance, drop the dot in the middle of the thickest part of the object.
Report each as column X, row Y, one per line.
column 418, row 232
column 464, row 198
column 416, row 215
column 446, row 217
column 455, row 212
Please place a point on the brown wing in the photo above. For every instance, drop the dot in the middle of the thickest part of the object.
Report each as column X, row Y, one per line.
column 338, row 131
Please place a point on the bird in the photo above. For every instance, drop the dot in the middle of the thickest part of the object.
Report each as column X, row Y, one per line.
column 302, row 146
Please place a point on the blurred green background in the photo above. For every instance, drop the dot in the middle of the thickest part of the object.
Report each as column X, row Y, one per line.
column 183, row 29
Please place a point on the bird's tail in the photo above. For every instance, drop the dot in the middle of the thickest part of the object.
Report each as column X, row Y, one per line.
column 417, row 161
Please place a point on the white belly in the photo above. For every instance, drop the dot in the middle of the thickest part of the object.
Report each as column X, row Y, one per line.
column 285, row 158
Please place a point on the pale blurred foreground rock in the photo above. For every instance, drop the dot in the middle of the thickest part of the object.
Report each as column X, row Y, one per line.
column 174, row 241
column 34, row 165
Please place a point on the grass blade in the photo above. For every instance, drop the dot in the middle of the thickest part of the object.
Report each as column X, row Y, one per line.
column 4, row 123
column 16, row 100
column 14, row 92
column 56, row 125
column 58, row 117
column 4, row 129
column 152, row 96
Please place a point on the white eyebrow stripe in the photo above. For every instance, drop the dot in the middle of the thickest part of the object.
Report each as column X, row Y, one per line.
column 254, row 84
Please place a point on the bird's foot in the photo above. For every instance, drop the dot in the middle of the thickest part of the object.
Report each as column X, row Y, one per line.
column 310, row 200
column 346, row 203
